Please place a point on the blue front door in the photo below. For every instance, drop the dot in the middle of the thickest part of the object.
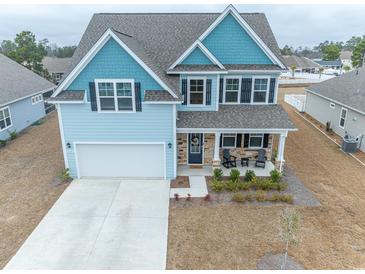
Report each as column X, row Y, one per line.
column 195, row 146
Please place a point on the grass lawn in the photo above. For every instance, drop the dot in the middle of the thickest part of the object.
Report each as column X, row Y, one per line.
column 236, row 236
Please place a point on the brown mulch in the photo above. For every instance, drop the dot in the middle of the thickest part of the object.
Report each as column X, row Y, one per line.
column 29, row 186
column 180, row 182
column 238, row 236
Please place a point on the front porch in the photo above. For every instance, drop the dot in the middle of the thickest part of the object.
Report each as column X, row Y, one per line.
column 207, row 170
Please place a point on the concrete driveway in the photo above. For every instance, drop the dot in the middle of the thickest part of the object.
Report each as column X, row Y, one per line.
column 101, row 224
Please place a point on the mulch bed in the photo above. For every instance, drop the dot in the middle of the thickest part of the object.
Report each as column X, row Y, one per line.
column 180, row 182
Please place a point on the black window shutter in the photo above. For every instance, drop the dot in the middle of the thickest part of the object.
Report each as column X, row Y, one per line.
column 221, row 90
column 221, row 141
column 246, row 140
column 184, row 90
column 137, row 91
column 208, row 99
column 239, row 140
column 94, row 105
column 272, row 90
column 246, row 88
column 266, row 140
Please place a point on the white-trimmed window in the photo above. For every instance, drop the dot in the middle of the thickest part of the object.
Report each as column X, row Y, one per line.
column 115, row 95
column 332, row 105
column 36, row 99
column 343, row 117
column 196, row 91
column 232, row 90
column 229, row 140
column 5, row 118
column 260, row 90
column 256, row 140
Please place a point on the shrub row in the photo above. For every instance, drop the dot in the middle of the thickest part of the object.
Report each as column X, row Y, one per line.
column 256, row 184
column 261, row 196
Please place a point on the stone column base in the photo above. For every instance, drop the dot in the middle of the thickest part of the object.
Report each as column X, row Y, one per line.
column 216, row 163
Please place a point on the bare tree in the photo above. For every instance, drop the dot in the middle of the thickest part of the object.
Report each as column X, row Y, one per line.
column 290, row 222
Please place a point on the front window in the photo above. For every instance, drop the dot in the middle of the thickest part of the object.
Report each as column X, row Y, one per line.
column 256, row 140
column 5, row 119
column 260, row 90
column 196, row 91
column 232, row 90
column 115, row 96
column 343, row 117
column 229, row 140
column 37, row 98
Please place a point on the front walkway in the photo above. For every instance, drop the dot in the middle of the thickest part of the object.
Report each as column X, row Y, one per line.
column 101, row 224
column 186, row 170
column 198, row 188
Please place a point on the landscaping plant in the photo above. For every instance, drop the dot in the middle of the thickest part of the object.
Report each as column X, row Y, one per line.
column 65, row 175
column 231, row 185
column 217, row 174
column 275, row 175
column 2, row 143
column 244, row 186
column 249, row 197
column 234, row 175
column 217, row 185
column 238, row 197
column 13, row 134
column 290, row 224
column 261, row 196
column 250, row 175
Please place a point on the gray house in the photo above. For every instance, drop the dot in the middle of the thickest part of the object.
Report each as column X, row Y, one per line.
column 340, row 102
column 21, row 96
column 56, row 67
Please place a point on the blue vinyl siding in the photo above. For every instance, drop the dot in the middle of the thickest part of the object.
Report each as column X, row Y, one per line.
column 23, row 114
column 231, row 44
column 197, row 57
column 153, row 124
column 113, row 62
column 214, row 98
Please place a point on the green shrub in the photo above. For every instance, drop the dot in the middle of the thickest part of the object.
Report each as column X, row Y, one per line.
column 217, row 174
column 217, row 185
column 265, row 184
column 260, row 196
column 231, row 185
column 65, row 175
column 244, row 186
column 282, row 186
column 275, row 176
column 282, row 198
column 13, row 134
column 38, row 123
column 234, row 175
column 250, row 175
column 249, row 197
column 238, row 197
column 275, row 154
column 2, row 143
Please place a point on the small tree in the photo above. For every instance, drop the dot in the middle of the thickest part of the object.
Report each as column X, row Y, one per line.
column 346, row 68
column 292, row 68
column 290, row 225
column 321, row 69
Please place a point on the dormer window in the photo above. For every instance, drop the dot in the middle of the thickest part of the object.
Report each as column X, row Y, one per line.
column 196, row 91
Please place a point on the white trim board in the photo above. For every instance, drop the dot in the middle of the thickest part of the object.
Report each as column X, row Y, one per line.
column 94, row 50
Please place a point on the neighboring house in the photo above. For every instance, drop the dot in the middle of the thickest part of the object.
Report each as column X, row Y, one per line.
column 148, row 92
column 21, row 96
column 302, row 64
column 331, row 67
column 340, row 102
column 345, row 58
column 56, row 67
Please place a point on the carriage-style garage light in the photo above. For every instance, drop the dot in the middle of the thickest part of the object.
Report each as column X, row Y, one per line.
column 68, row 145
column 169, row 144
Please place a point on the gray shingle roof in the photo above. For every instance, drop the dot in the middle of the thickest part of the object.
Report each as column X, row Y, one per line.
column 56, row 65
column 69, row 95
column 180, row 68
column 159, row 39
column 158, row 95
column 300, row 62
column 16, row 81
column 329, row 63
column 252, row 67
column 348, row 89
column 237, row 116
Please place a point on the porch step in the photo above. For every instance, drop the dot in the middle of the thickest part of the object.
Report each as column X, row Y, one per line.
column 196, row 166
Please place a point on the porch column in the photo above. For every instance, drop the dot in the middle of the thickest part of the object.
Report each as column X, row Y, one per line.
column 216, row 158
column 281, row 150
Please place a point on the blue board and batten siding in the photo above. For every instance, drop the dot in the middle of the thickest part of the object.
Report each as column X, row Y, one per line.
column 231, row 44
column 23, row 113
column 153, row 124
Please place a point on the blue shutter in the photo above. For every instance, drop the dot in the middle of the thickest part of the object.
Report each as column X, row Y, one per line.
column 246, row 140
column 272, row 90
column 184, row 90
column 208, row 95
column 246, row 89
column 137, row 92
column 94, row 105
column 266, row 140
column 221, row 90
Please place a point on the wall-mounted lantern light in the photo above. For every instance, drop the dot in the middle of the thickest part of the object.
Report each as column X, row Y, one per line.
column 169, row 144
column 68, row 145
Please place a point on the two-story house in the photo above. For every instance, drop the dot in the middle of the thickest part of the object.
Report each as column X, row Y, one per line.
column 147, row 93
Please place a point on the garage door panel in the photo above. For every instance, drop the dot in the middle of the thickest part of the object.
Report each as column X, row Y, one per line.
column 121, row 160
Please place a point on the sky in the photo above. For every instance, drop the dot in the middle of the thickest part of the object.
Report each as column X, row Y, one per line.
column 295, row 25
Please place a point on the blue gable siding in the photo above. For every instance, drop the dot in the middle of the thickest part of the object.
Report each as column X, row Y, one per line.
column 231, row 44
column 153, row 124
column 113, row 62
column 214, row 95
column 197, row 57
column 23, row 114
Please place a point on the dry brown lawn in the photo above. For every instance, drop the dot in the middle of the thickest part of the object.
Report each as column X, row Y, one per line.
column 237, row 236
column 29, row 166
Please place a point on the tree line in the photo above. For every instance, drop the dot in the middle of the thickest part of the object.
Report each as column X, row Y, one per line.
column 29, row 52
column 330, row 50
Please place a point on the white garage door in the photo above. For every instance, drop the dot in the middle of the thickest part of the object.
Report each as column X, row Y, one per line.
column 120, row 160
